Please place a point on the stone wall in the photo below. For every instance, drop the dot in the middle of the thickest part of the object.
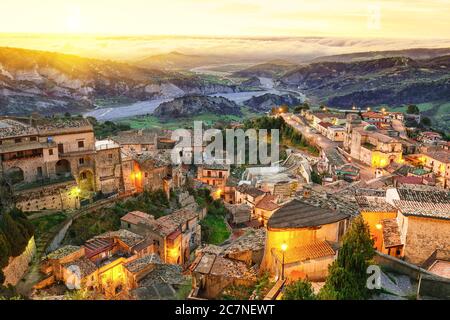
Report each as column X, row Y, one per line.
column 431, row 284
column 52, row 197
column 424, row 236
column 18, row 266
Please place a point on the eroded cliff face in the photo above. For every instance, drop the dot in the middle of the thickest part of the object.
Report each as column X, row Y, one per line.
column 18, row 266
column 50, row 82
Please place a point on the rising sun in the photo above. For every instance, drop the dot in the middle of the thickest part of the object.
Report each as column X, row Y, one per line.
column 73, row 20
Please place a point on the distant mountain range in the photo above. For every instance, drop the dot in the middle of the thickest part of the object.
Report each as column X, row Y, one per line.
column 178, row 61
column 416, row 54
column 394, row 81
column 49, row 82
column 270, row 69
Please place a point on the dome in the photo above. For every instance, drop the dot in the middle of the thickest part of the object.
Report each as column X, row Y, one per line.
column 370, row 127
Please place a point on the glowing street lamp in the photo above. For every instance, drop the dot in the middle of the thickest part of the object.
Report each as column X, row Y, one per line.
column 368, row 109
column 378, row 226
column 283, row 250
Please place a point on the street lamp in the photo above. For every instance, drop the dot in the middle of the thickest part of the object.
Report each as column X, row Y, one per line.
column 283, row 250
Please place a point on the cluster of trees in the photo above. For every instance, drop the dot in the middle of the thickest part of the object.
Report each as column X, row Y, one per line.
column 288, row 134
column 106, row 129
column 107, row 219
column 347, row 274
column 214, row 228
column 300, row 108
column 15, row 233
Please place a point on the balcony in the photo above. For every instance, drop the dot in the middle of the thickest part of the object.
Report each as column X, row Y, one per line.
column 42, row 182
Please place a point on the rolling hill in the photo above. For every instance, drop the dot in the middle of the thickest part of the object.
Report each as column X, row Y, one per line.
column 48, row 82
column 392, row 81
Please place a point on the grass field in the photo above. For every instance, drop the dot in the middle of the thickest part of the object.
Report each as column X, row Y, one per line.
column 217, row 231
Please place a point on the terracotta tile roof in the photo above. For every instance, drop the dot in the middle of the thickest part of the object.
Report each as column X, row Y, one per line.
column 306, row 252
column 217, row 265
column 136, row 217
column 374, row 204
column 408, row 180
column 141, row 263
column 95, row 246
column 129, row 238
column 252, row 241
column 391, row 233
column 438, row 196
column 63, row 252
column 250, row 190
column 298, row 214
column 13, row 128
column 268, row 203
column 85, row 266
column 168, row 224
column 430, row 210
column 136, row 137
column 441, row 156
column 325, row 124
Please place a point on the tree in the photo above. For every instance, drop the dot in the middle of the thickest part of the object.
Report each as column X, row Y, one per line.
column 316, row 178
column 5, row 251
column 299, row 290
column 426, row 121
column 412, row 109
column 347, row 274
column 13, row 234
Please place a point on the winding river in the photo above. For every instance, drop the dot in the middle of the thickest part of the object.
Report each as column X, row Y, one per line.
column 147, row 107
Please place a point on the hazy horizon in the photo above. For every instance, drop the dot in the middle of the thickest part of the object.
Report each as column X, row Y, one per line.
column 243, row 48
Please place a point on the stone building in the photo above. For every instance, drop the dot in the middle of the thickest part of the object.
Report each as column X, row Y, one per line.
column 215, row 175
column 109, row 264
column 52, row 163
column 174, row 236
column 303, row 240
column 422, row 225
column 438, row 162
column 137, row 141
column 374, row 148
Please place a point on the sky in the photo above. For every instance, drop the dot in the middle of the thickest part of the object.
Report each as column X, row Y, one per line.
column 427, row 19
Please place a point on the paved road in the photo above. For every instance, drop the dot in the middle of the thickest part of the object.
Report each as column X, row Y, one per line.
column 323, row 142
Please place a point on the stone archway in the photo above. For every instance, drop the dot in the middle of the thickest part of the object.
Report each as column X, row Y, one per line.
column 62, row 167
column 14, row 175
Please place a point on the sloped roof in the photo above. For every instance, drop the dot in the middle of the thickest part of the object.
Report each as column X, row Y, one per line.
column 298, row 214
column 129, row 238
column 268, row 203
column 309, row 251
column 250, row 190
column 140, row 263
column 136, row 217
column 63, row 252
column 83, row 264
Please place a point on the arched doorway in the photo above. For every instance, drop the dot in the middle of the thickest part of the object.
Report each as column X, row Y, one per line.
column 14, row 175
column 62, row 167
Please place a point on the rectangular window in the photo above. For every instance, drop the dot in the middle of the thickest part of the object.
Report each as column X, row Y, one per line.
column 33, row 139
column 39, row 171
column 17, row 140
column 80, row 144
column 50, row 152
column 81, row 161
column 60, row 148
column 110, row 155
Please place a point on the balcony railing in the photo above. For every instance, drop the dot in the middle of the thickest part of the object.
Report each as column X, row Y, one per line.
column 42, row 182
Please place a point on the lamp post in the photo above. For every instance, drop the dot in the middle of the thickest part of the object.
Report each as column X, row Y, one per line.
column 283, row 250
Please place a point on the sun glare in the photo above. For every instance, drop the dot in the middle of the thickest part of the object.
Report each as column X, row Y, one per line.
column 73, row 19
